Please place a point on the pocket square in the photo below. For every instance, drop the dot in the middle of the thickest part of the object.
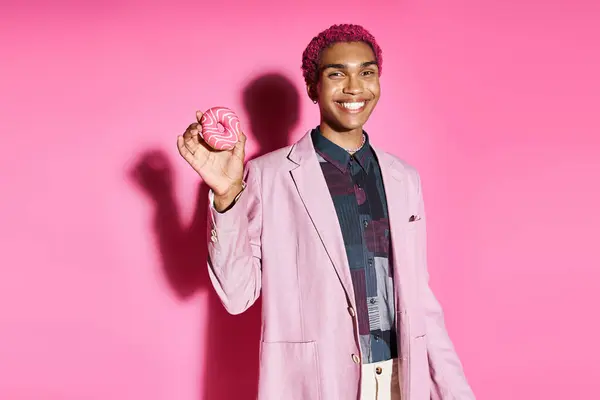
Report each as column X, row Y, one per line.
column 414, row 218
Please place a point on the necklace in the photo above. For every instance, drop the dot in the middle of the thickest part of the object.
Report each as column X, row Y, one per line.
column 352, row 151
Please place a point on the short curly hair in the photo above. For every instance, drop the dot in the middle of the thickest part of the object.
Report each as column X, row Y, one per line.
column 335, row 34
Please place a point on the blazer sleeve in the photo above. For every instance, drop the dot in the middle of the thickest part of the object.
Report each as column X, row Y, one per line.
column 234, row 248
column 448, row 381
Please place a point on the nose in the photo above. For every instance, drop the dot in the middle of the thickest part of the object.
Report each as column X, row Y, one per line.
column 353, row 85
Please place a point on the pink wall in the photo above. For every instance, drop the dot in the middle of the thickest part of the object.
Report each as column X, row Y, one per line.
column 103, row 289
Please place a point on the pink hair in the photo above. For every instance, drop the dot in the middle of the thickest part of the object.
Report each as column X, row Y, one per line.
column 335, row 34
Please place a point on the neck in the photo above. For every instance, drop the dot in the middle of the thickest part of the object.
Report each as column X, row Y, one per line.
column 345, row 139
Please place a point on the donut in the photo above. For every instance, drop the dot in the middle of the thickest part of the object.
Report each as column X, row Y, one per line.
column 220, row 128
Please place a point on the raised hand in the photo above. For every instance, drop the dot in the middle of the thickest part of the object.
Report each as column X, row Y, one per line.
column 222, row 170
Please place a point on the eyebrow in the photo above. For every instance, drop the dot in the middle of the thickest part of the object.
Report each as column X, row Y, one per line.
column 344, row 66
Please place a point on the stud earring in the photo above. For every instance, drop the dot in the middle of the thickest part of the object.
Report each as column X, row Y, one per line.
column 314, row 101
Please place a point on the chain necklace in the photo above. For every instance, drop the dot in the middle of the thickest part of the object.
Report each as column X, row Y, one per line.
column 352, row 151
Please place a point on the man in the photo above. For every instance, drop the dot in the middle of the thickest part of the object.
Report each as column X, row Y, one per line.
column 331, row 232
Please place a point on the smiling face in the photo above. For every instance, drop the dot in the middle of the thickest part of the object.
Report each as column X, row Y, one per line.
column 348, row 87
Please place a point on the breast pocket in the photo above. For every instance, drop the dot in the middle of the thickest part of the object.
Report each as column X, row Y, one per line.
column 289, row 370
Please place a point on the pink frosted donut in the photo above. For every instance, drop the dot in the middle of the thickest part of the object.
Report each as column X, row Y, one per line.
column 220, row 128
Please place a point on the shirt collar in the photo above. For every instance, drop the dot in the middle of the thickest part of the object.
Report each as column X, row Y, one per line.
column 339, row 157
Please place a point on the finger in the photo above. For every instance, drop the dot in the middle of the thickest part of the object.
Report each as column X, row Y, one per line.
column 192, row 144
column 239, row 149
column 199, row 115
column 188, row 132
column 183, row 150
column 191, row 137
column 196, row 160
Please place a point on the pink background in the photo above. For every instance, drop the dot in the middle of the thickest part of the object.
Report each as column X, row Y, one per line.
column 103, row 288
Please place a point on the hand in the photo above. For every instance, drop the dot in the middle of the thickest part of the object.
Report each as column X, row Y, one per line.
column 221, row 170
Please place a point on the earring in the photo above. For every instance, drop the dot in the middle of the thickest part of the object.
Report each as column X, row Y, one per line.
column 314, row 101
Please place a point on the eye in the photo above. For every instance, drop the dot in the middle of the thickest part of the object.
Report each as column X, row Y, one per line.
column 335, row 74
column 368, row 73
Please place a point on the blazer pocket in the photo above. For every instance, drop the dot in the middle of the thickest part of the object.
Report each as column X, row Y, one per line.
column 419, row 369
column 290, row 370
column 418, row 328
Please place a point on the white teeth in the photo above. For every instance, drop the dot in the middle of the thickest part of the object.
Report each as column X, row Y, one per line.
column 353, row 106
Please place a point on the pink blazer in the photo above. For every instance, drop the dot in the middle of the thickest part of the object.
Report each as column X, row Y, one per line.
column 282, row 240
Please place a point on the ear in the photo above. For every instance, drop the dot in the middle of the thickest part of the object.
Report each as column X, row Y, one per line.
column 312, row 92
column 309, row 91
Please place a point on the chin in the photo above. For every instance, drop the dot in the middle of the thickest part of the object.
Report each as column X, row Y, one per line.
column 352, row 123
column 352, row 127
column 342, row 125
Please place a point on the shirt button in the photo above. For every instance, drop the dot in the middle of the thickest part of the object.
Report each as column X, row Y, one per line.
column 351, row 312
column 355, row 359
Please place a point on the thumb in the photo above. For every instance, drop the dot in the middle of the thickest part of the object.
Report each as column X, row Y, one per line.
column 199, row 115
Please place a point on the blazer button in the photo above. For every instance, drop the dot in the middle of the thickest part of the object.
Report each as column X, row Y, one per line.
column 355, row 359
column 351, row 312
column 378, row 370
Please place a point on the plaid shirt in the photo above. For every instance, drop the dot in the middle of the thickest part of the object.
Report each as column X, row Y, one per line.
column 356, row 188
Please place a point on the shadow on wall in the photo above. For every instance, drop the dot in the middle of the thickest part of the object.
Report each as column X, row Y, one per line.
column 231, row 349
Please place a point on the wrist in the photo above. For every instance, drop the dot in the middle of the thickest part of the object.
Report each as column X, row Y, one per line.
column 223, row 201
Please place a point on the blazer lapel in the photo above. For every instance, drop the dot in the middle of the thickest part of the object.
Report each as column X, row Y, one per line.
column 314, row 192
column 395, row 184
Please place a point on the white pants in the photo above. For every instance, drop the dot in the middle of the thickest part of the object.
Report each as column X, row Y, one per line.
column 380, row 381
